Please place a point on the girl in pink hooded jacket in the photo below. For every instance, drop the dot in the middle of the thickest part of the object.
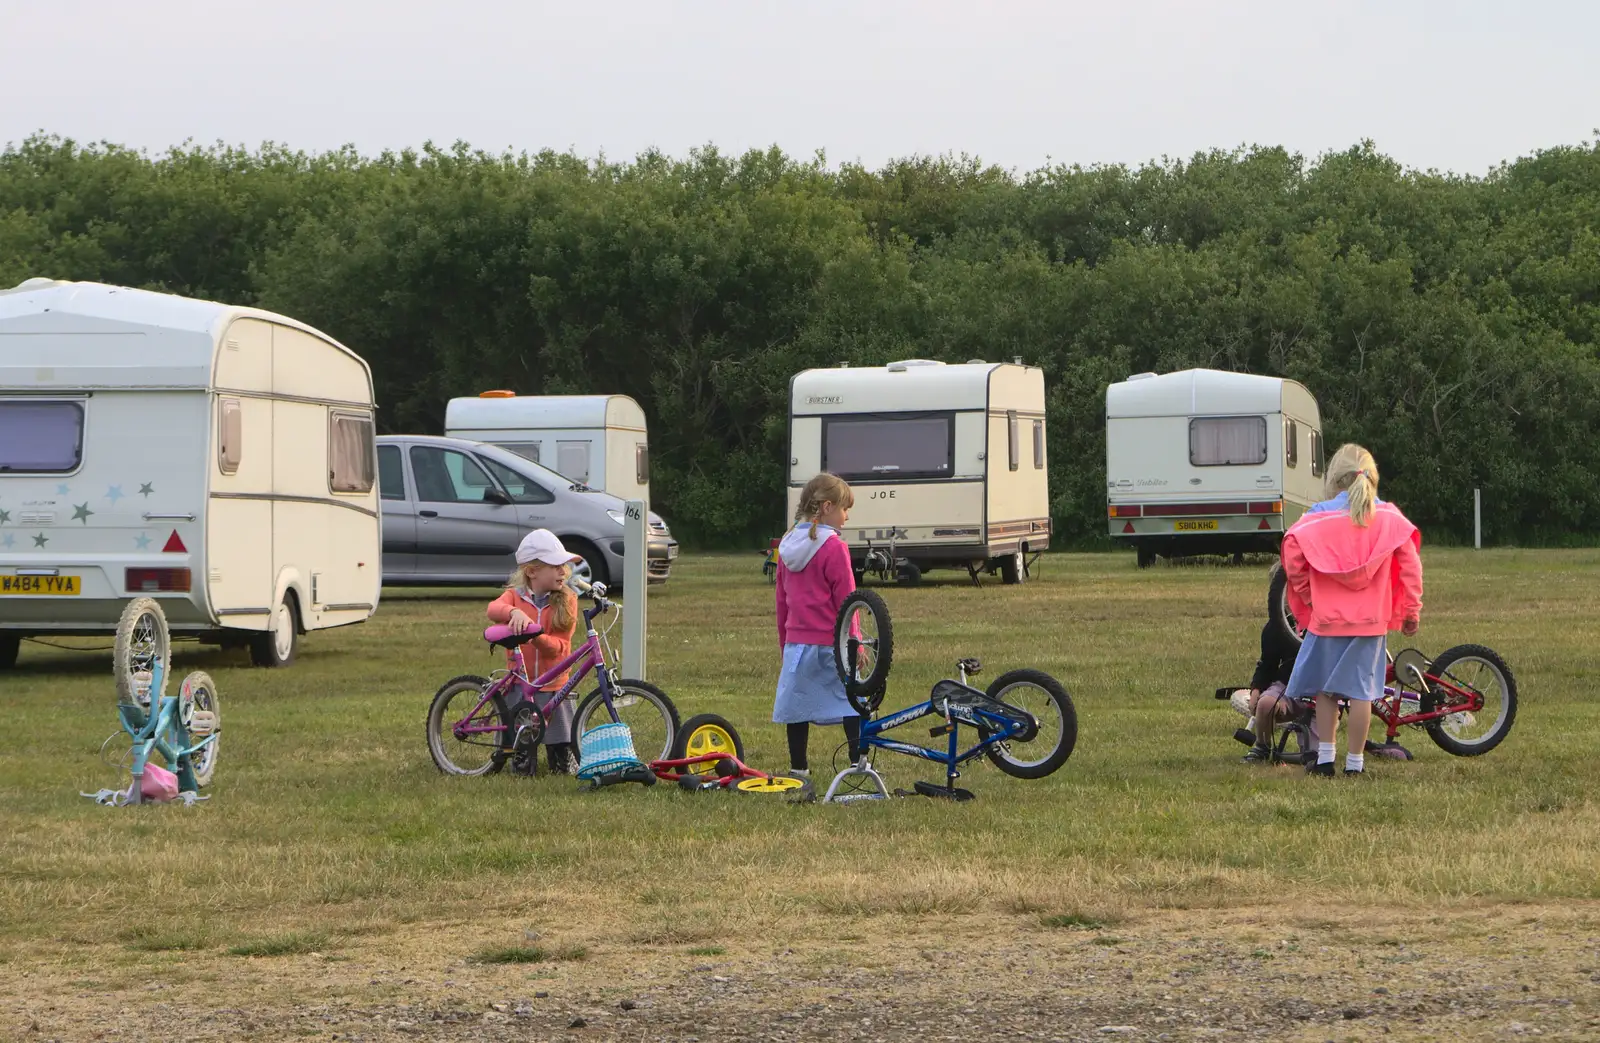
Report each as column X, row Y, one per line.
column 1355, row 573
column 814, row 576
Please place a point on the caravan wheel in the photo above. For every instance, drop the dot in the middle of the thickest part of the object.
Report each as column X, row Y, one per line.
column 276, row 646
column 1014, row 568
column 9, row 645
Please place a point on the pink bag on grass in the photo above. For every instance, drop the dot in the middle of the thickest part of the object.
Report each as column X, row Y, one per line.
column 158, row 784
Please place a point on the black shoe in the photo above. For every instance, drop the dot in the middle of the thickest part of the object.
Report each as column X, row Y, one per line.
column 1257, row 755
column 1357, row 772
column 559, row 756
column 1320, row 770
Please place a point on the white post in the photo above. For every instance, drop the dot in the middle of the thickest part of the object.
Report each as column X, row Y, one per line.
column 635, row 582
column 1477, row 519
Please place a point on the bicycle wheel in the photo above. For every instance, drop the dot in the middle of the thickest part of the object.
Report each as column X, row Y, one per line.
column 702, row 734
column 462, row 753
column 1278, row 605
column 142, row 642
column 1042, row 696
column 201, row 715
column 863, row 661
column 651, row 718
column 776, row 786
column 1479, row 669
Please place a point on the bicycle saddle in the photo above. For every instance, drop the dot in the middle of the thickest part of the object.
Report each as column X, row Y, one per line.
column 500, row 636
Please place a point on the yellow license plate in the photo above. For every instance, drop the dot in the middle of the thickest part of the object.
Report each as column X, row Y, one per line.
column 57, row 586
column 1202, row 525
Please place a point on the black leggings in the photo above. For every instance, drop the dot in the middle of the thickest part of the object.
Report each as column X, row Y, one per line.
column 800, row 733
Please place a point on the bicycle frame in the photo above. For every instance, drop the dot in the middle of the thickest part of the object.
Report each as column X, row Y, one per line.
column 590, row 656
column 149, row 735
column 1455, row 698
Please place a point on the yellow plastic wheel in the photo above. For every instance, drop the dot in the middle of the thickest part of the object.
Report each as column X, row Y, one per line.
column 707, row 734
column 776, row 784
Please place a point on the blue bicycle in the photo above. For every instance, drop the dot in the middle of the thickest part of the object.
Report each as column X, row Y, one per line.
column 185, row 729
column 1025, row 722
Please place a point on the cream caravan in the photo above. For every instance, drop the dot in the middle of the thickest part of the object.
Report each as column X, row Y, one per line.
column 947, row 461
column 218, row 459
column 595, row 440
column 1207, row 462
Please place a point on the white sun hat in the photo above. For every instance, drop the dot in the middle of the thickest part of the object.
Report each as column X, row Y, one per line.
column 542, row 545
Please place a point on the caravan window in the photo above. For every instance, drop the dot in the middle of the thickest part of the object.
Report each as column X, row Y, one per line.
column 350, row 453
column 526, row 450
column 1038, row 445
column 572, row 460
column 230, row 430
column 1316, row 454
column 1013, row 440
column 1291, row 443
column 886, row 446
column 1227, row 441
column 40, row 437
column 641, row 463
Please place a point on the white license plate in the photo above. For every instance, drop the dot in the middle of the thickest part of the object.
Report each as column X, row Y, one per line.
column 672, row 553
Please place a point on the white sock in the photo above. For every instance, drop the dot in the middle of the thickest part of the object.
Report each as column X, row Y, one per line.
column 1355, row 761
column 800, row 771
column 1324, row 753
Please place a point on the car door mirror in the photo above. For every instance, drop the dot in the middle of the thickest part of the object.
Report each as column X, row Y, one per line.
column 495, row 496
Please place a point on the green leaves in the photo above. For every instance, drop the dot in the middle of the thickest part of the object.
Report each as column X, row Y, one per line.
column 1448, row 323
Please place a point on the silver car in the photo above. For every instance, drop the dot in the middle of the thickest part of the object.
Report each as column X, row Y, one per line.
column 454, row 511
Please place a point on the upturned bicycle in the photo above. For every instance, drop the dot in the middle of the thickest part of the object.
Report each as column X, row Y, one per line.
column 476, row 725
column 1025, row 722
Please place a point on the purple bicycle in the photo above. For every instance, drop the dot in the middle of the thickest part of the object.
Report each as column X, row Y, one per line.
column 477, row 724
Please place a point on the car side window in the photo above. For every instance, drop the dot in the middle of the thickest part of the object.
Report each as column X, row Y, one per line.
column 391, row 480
column 448, row 476
column 521, row 488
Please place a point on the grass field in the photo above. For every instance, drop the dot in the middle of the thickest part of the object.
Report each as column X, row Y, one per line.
column 335, row 870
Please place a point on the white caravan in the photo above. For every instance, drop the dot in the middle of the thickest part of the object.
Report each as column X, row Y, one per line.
column 947, row 461
column 595, row 440
column 218, row 459
column 1206, row 462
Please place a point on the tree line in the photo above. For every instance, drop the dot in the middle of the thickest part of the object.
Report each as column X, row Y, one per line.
column 1449, row 323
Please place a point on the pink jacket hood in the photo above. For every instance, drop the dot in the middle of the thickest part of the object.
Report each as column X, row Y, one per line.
column 1346, row 579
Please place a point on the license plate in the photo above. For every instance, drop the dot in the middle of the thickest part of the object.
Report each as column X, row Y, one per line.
column 1202, row 525
column 59, row 586
column 672, row 553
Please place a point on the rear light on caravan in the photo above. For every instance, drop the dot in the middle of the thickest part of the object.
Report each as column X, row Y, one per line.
column 148, row 581
column 1272, row 507
column 500, row 393
column 1125, row 512
column 1151, row 509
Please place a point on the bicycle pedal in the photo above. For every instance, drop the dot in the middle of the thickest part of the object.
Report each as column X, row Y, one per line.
column 943, row 729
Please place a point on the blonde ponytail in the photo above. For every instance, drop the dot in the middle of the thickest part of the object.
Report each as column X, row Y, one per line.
column 823, row 489
column 1353, row 470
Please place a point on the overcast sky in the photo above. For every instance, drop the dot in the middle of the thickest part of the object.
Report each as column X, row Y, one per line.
column 1450, row 85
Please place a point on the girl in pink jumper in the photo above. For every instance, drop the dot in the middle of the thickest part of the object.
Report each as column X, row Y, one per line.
column 814, row 577
column 1354, row 575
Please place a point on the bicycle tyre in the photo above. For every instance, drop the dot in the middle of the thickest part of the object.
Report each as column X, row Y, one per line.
column 1438, row 730
column 1066, row 740
column 654, row 730
column 706, row 733
column 142, row 639
column 201, row 716
column 864, row 693
column 1278, row 606
column 436, row 729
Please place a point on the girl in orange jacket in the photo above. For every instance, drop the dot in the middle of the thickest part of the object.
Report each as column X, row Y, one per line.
column 537, row 599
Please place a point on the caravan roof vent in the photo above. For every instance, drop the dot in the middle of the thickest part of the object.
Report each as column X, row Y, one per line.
column 1141, row 376
column 1017, row 359
column 976, row 362
column 497, row 394
column 38, row 282
column 905, row 364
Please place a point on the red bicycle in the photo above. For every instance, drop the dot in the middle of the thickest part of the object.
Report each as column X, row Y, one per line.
column 1466, row 700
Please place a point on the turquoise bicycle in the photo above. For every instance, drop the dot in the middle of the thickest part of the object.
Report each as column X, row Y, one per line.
column 185, row 729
